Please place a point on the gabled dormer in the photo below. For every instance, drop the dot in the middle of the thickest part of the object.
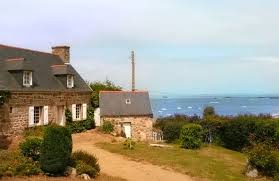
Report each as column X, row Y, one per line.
column 21, row 70
column 65, row 74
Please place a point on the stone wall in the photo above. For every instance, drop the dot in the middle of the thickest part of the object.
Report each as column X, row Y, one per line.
column 17, row 120
column 141, row 126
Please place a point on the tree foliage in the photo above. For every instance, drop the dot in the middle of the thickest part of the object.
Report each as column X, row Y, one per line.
column 101, row 86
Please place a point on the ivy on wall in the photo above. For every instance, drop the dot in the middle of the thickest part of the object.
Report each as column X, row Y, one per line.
column 4, row 96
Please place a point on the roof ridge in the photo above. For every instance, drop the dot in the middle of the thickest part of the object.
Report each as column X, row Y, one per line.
column 9, row 46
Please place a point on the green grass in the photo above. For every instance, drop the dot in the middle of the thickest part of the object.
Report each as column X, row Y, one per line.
column 210, row 162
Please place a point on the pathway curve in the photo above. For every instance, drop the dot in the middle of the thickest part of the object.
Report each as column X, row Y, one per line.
column 119, row 166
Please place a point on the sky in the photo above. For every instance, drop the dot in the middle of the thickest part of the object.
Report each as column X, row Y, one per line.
column 183, row 47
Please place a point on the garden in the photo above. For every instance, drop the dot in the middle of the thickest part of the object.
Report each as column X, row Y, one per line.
column 244, row 147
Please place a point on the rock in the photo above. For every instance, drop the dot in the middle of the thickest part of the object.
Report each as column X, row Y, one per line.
column 71, row 171
column 252, row 172
column 160, row 145
column 85, row 176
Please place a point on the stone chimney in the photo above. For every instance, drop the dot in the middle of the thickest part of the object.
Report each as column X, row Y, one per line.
column 63, row 52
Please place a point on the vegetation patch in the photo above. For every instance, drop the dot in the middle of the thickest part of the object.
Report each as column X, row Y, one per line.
column 31, row 148
column 15, row 164
column 107, row 127
column 211, row 162
column 85, row 163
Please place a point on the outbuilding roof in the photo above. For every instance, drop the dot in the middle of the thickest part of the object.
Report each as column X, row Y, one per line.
column 47, row 69
column 125, row 103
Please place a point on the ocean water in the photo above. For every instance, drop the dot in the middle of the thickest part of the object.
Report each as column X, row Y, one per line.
column 223, row 105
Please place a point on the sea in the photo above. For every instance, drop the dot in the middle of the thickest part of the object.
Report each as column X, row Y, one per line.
column 165, row 106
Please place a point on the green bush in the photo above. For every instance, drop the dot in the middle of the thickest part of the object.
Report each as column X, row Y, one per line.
column 107, row 127
column 37, row 131
column 85, row 168
column 15, row 164
column 85, row 163
column 242, row 131
column 191, row 136
column 80, row 126
column 31, row 148
column 56, row 149
column 264, row 159
column 209, row 111
column 172, row 125
column 129, row 144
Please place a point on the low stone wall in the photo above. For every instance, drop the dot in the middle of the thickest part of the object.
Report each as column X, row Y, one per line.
column 17, row 120
column 141, row 126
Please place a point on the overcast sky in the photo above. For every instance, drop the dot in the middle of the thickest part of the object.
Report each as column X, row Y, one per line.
column 182, row 47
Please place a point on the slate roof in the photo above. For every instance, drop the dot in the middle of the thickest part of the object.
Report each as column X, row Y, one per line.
column 44, row 67
column 113, row 103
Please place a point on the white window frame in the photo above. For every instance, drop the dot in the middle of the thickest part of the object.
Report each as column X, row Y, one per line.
column 70, row 81
column 40, row 109
column 78, row 111
column 27, row 78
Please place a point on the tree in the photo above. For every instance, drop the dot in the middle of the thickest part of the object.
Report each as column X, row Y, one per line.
column 208, row 111
column 101, row 86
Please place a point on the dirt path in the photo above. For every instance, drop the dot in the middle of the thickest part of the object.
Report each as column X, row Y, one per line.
column 118, row 166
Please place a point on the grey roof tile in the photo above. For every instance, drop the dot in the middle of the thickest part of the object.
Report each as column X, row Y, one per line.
column 13, row 60
column 113, row 103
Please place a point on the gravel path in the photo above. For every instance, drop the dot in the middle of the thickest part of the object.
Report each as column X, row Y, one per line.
column 119, row 166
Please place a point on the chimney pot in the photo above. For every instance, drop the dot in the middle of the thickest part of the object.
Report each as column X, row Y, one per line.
column 63, row 52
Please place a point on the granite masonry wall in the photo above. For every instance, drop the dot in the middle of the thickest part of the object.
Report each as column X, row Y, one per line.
column 14, row 115
column 141, row 126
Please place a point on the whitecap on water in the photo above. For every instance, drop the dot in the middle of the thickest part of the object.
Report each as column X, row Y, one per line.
column 164, row 109
column 244, row 106
column 189, row 107
column 160, row 111
column 213, row 102
column 178, row 108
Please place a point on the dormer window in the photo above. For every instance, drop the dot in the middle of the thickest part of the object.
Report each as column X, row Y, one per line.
column 27, row 78
column 70, row 81
column 128, row 101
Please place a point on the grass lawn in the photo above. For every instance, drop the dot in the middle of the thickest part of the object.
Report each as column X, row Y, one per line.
column 210, row 162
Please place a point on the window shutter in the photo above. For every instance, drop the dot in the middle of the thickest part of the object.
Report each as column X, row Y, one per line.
column 31, row 78
column 84, row 111
column 45, row 115
column 74, row 111
column 31, row 116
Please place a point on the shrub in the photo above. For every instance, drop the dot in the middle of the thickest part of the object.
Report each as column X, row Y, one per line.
column 242, row 131
column 107, row 127
column 129, row 144
column 171, row 131
column 85, row 168
column 13, row 164
column 80, row 126
column 56, row 149
column 191, row 136
column 37, row 131
column 209, row 111
column 264, row 159
column 31, row 148
column 85, row 163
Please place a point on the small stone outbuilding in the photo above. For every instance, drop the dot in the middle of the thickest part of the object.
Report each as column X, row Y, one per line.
column 129, row 111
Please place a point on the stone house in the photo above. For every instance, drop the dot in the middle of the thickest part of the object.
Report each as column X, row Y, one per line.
column 129, row 111
column 42, row 86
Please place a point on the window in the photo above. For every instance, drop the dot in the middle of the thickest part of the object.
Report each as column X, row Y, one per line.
column 70, row 81
column 78, row 111
column 27, row 78
column 128, row 101
column 37, row 114
column 11, row 109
